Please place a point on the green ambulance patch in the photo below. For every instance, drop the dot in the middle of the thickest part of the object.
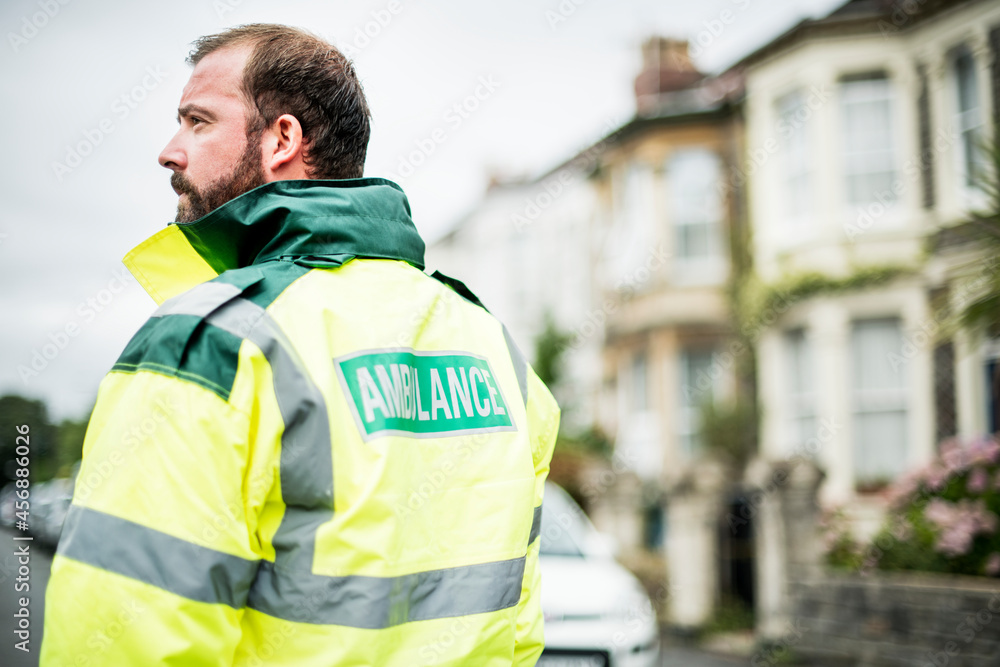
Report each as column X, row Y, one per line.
column 422, row 394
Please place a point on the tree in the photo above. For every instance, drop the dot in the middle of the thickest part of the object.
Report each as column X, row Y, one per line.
column 42, row 437
column 981, row 312
column 550, row 346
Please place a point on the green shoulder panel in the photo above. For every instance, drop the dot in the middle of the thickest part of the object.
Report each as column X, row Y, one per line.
column 186, row 346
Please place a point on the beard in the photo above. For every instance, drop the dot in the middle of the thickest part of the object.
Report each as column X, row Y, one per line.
column 246, row 175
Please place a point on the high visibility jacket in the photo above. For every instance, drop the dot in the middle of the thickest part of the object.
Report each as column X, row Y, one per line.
column 312, row 454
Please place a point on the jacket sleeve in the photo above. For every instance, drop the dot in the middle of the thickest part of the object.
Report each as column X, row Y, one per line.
column 543, row 424
column 160, row 543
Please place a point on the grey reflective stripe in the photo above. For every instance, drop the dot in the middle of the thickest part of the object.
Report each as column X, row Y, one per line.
column 165, row 561
column 536, row 524
column 306, row 465
column 382, row 602
column 287, row 588
column 520, row 365
column 200, row 300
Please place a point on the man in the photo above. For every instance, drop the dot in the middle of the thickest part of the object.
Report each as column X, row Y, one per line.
column 313, row 453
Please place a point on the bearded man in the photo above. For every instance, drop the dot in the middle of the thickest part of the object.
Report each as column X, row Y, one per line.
column 313, row 453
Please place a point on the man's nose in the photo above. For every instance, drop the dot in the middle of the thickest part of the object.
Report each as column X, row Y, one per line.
column 173, row 156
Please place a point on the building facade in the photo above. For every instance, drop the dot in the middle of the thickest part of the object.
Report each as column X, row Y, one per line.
column 864, row 148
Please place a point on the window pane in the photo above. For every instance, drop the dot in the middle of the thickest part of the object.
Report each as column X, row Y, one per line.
column 793, row 117
column 869, row 154
column 696, row 209
column 640, row 382
column 968, row 115
column 965, row 75
column 877, row 344
column 801, row 385
column 880, row 396
column 697, row 386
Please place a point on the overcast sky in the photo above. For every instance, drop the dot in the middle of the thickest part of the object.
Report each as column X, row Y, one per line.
column 108, row 75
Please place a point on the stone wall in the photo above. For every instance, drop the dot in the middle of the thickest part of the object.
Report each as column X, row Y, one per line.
column 896, row 619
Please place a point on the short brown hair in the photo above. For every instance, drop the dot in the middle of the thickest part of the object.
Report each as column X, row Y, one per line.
column 292, row 71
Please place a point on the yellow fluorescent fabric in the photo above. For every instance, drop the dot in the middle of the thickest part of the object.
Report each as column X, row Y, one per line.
column 133, row 623
column 236, row 507
column 146, row 460
column 166, row 265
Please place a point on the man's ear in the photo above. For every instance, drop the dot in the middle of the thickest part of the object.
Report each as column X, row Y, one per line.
column 282, row 146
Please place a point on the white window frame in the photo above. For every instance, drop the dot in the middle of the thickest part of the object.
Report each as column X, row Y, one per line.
column 882, row 211
column 971, row 121
column 711, row 268
column 802, row 415
column 688, row 433
column 796, row 172
column 869, row 401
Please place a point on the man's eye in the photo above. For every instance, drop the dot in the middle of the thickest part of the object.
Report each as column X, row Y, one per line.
column 195, row 120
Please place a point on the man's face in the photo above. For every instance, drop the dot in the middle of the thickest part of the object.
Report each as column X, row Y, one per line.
column 211, row 157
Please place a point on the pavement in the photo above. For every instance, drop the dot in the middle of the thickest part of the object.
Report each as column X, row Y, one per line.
column 40, row 563
column 12, row 589
column 688, row 657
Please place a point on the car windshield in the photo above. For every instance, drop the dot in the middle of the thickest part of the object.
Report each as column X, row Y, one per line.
column 564, row 525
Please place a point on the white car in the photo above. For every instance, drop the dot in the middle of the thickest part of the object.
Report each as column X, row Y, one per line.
column 596, row 612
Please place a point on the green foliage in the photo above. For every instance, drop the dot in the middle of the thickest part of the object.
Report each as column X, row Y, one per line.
column 42, row 437
column 944, row 518
column 840, row 548
column 69, row 444
column 729, row 429
column 550, row 345
column 982, row 311
column 908, row 544
column 761, row 305
column 54, row 448
column 593, row 442
column 730, row 615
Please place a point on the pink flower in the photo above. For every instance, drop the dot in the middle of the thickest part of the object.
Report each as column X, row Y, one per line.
column 992, row 566
column 903, row 530
column 985, row 451
column 939, row 512
column 953, row 455
column 902, row 491
column 936, row 478
column 978, row 481
column 959, row 523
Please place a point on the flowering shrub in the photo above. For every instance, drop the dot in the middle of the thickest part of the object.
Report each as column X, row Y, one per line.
column 945, row 516
column 839, row 545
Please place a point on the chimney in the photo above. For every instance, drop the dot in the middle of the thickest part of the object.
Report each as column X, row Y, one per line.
column 666, row 67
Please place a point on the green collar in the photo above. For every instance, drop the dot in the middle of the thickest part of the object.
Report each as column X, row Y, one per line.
column 311, row 222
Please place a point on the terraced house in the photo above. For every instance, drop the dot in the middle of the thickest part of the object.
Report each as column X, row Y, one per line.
column 865, row 128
